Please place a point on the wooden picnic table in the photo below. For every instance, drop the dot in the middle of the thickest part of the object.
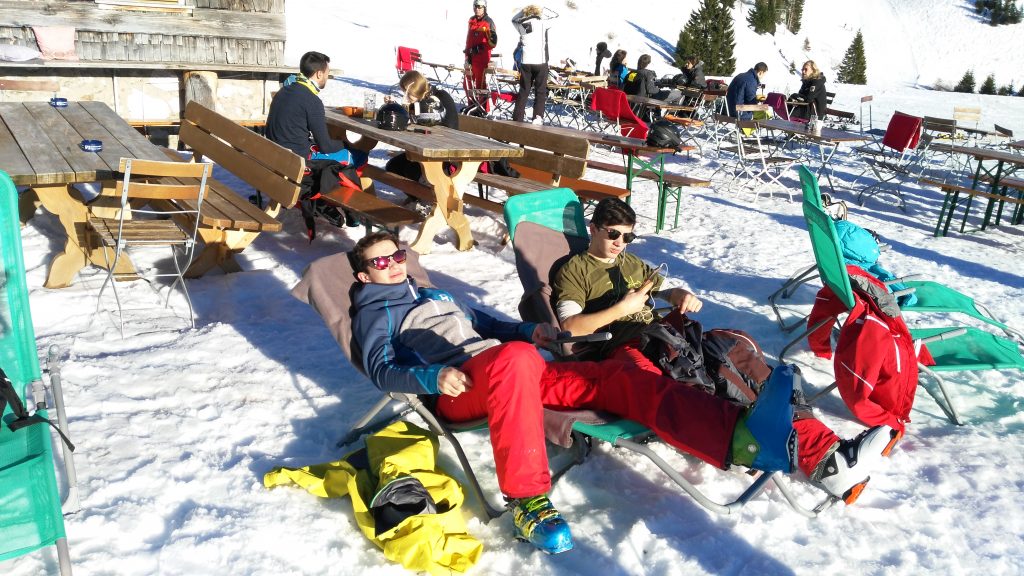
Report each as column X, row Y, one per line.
column 1005, row 165
column 431, row 149
column 827, row 141
column 39, row 148
column 635, row 165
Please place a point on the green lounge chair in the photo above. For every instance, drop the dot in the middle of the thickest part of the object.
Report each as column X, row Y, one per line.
column 547, row 228
column 30, row 505
column 954, row 348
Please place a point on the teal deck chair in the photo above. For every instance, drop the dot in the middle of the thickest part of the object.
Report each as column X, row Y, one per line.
column 932, row 297
column 30, row 505
column 954, row 348
column 547, row 228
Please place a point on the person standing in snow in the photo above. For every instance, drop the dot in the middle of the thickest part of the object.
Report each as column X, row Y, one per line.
column 481, row 38
column 533, row 70
column 602, row 53
column 812, row 93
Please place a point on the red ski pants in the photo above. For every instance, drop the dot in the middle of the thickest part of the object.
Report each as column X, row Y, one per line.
column 814, row 439
column 478, row 79
column 511, row 384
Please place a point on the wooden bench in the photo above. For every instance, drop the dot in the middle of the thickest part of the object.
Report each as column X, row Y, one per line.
column 551, row 160
column 842, row 116
column 952, row 191
column 377, row 212
column 676, row 180
column 228, row 221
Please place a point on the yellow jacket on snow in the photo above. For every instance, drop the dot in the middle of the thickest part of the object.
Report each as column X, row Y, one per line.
column 431, row 542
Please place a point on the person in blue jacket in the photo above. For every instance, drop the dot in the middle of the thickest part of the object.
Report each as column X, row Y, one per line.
column 743, row 89
column 617, row 69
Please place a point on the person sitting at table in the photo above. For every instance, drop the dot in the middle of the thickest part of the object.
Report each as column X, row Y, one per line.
column 533, row 70
column 296, row 121
column 743, row 89
column 643, row 82
column 426, row 341
column 692, row 73
column 812, row 93
column 617, row 69
column 602, row 53
column 427, row 104
column 607, row 289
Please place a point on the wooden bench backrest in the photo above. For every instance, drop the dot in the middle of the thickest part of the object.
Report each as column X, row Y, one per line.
column 967, row 114
column 270, row 168
column 559, row 154
column 829, row 97
column 941, row 125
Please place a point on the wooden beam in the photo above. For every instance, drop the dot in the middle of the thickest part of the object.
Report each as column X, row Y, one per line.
column 203, row 22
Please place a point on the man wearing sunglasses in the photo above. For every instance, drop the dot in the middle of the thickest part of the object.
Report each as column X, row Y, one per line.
column 423, row 341
column 608, row 289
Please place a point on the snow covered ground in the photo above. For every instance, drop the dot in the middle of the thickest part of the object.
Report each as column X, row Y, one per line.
column 175, row 428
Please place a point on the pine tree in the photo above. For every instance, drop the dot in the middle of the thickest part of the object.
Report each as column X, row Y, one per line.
column 762, row 18
column 1006, row 90
column 709, row 35
column 966, row 83
column 995, row 16
column 854, row 67
column 1021, row 93
column 988, row 86
column 1013, row 13
column 979, row 6
column 794, row 14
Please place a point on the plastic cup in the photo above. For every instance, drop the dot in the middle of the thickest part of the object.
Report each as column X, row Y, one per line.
column 369, row 105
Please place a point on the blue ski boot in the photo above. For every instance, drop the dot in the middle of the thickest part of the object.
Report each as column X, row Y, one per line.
column 764, row 438
column 536, row 521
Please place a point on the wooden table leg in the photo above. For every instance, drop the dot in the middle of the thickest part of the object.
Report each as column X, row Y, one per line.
column 67, row 204
column 448, row 207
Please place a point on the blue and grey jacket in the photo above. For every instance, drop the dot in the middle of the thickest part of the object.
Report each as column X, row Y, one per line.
column 407, row 334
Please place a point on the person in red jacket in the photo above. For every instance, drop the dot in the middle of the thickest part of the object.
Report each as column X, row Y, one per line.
column 480, row 39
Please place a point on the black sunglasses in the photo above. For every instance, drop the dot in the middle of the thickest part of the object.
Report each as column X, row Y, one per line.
column 383, row 262
column 614, row 234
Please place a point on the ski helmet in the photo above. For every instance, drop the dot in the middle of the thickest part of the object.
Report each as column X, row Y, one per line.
column 392, row 116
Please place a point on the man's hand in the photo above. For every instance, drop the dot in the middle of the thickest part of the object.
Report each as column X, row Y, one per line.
column 452, row 381
column 685, row 300
column 635, row 300
column 543, row 334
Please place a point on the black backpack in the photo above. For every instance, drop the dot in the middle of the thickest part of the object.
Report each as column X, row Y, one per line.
column 663, row 135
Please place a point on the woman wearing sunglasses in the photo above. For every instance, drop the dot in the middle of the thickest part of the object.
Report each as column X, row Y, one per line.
column 423, row 341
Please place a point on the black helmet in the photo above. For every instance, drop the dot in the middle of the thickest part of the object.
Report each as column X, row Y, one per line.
column 663, row 135
column 392, row 116
column 430, row 111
